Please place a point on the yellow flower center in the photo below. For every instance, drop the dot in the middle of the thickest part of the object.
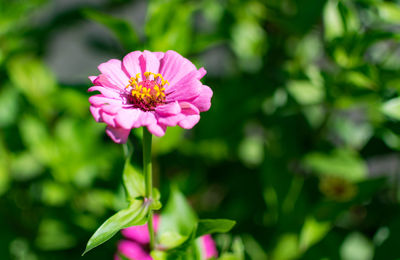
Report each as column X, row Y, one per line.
column 146, row 94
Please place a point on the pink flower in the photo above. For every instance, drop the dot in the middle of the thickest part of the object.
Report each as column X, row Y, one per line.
column 151, row 89
column 136, row 244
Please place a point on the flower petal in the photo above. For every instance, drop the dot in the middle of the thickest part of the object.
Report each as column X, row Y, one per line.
column 130, row 63
column 139, row 234
column 189, row 87
column 96, row 113
column 172, row 108
column 191, row 113
column 108, row 119
column 201, row 73
column 157, row 129
column 145, row 119
column 113, row 70
column 132, row 250
column 126, row 117
column 105, row 91
column 174, row 67
column 118, row 135
column 102, row 80
column 149, row 62
column 111, row 109
column 98, row 100
column 92, row 78
column 203, row 101
column 209, row 249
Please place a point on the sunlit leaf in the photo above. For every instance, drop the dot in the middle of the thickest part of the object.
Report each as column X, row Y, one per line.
column 132, row 216
column 209, row 226
column 391, row 108
column 177, row 215
column 133, row 181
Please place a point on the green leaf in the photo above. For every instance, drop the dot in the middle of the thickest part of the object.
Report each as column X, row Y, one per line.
column 34, row 80
column 305, row 92
column 391, row 108
column 209, row 226
column 121, row 28
column 357, row 246
column 341, row 163
column 312, row 232
column 133, row 181
column 132, row 216
column 389, row 12
column 171, row 239
column 177, row 215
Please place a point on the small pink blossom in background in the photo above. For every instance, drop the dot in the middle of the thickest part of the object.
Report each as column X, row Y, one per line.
column 151, row 89
column 136, row 244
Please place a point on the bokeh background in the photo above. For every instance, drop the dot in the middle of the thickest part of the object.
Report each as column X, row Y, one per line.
column 300, row 147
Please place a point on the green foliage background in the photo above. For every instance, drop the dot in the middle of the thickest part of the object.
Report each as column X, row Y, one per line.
column 300, row 147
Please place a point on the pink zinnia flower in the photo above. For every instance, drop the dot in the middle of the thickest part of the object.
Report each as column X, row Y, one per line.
column 136, row 244
column 151, row 89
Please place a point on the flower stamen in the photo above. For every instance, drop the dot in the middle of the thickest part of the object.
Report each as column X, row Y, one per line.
column 148, row 93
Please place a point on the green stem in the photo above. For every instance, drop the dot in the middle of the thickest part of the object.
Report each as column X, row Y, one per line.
column 147, row 171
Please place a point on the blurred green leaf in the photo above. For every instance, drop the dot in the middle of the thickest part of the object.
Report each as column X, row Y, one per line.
column 124, row 32
column 341, row 163
column 389, row 12
column 25, row 166
column 165, row 33
column 306, row 93
column 54, row 236
column 35, row 80
column 312, row 232
column 391, row 108
column 8, row 105
column 356, row 247
column 209, row 226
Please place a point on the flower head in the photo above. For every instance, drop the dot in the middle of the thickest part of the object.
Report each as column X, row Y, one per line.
column 136, row 243
column 151, row 89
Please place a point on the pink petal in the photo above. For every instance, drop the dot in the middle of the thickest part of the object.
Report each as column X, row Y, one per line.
column 203, row 101
column 126, row 117
column 96, row 113
column 113, row 70
column 118, row 135
column 145, row 119
column 98, row 100
column 108, row 119
column 174, row 67
column 130, row 63
column 133, row 250
column 201, row 72
column 102, row 80
column 209, row 248
column 157, row 129
column 159, row 55
column 156, row 222
column 172, row 108
column 191, row 113
column 140, row 233
column 107, row 92
column 111, row 109
column 93, row 78
column 149, row 62
column 171, row 120
column 187, row 88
